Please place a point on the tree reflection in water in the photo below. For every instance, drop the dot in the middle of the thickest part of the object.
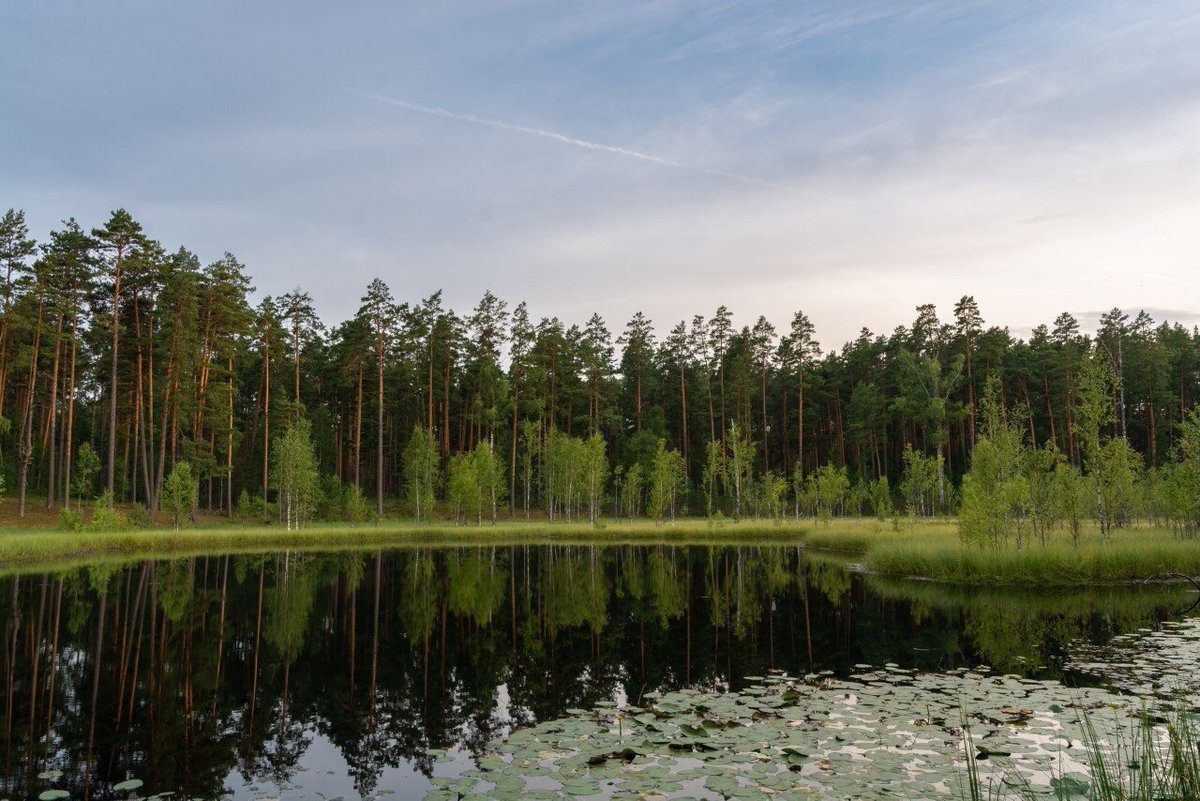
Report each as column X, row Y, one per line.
column 196, row 674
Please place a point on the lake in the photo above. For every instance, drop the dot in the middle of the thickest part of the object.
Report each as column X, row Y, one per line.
column 363, row 674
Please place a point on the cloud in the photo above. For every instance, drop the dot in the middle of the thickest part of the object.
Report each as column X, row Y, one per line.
column 567, row 140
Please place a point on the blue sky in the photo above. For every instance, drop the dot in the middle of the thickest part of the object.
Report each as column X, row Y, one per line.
column 849, row 159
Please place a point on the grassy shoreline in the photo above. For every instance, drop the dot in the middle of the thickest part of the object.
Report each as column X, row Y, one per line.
column 27, row 547
column 932, row 550
column 925, row 549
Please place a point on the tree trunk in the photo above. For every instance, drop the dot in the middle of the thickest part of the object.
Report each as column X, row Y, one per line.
column 69, row 428
column 26, row 448
column 266, row 415
column 379, row 443
column 358, row 430
column 50, row 443
column 112, row 381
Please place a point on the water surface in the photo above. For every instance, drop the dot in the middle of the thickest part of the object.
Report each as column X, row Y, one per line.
column 304, row 675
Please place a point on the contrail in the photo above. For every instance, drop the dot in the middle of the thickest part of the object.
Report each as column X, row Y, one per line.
column 569, row 140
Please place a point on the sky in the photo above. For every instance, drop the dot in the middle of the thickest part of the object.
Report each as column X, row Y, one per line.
column 848, row 159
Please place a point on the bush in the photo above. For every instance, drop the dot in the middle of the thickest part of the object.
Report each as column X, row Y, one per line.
column 105, row 518
column 356, row 507
column 249, row 507
column 138, row 517
column 71, row 519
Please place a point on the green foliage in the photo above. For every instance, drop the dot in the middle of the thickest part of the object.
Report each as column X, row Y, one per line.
column 463, row 494
column 995, row 491
column 713, row 457
column 575, row 472
column 489, row 472
column 355, row 506
column 1177, row 486
column 880, row 495
column 828, row 488
column 84, row 471
column 667, row 480
column 595, row 474
column 180, row 493
column 770, row 493
column 1121, row 467
column 627, row 486
column 919, row 484
column 1094, row 411
column 421, row 471
column 70, row 519
column 107, row 518
column 294, row 473
column 249, row 507
column 738, row 476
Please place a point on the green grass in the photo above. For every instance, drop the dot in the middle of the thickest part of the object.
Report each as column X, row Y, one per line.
column 931, row 549
column 25, row 547
column 860, row 535
column 1132, row 555
column 927, row 549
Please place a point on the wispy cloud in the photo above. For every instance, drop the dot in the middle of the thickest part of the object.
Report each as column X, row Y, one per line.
column 475, row 119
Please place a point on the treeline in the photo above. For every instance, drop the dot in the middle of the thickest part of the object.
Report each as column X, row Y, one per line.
column 120, row 358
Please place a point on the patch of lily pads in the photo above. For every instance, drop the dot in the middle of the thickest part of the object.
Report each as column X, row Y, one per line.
column 880, row 733
column 1158, row 664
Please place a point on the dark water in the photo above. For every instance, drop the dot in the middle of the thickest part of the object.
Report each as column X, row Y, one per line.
column 327, row 675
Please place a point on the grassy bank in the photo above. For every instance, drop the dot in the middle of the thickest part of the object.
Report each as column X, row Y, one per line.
column 26, row 546
column 928, row 549
column 932, row 550
column 1129, row 556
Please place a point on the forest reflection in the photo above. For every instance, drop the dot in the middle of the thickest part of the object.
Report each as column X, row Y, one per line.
column 184, row 673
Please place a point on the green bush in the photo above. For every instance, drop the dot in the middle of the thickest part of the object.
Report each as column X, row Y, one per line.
column 71, row 519
column 106, row 518
column 355, row 505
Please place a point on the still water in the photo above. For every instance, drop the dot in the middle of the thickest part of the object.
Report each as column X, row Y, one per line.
column 310, row 675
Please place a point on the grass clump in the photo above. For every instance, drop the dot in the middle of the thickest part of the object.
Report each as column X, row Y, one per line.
column 1129, row 556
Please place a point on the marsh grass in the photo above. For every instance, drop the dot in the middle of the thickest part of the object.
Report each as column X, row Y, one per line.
column 1150, row 759
column 1132, row 556
column 932, row 549
column 24, row 547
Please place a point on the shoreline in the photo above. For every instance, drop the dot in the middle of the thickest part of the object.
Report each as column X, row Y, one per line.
column 921, row 551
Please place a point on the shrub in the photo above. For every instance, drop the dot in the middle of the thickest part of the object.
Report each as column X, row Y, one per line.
column 106, row 518
column 356, row 507
column 71, row 519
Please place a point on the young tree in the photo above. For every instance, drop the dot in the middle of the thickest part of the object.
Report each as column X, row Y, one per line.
column 739, row 468
column 1185, row 479
column 294, row 473
column 180, row 494
column 462, row 490
column 489, row 472
column 667, row 479
column 712, row 477
column 87, row 466
column 595, row 474
column 919, row 483
column 1093, row 411
column 421, row 471
column 995, row 490
column 829, row 487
